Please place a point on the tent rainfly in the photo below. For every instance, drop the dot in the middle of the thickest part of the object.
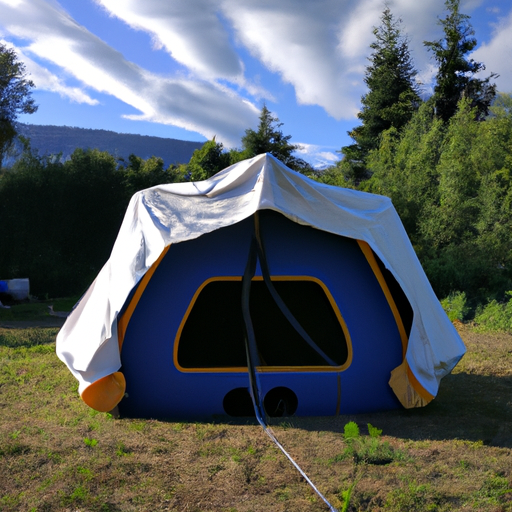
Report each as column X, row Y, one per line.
column 343, row 317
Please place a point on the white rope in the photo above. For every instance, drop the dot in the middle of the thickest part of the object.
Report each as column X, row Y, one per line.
column 252, row 351
column 272, row 436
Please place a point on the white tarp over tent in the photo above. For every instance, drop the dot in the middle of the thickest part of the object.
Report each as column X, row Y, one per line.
column 168, row 214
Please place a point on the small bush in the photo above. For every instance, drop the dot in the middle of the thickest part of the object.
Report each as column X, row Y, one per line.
column 351, row 430
column 495, row 316
column 374, row 431
column 455, row 306
column 367, row 449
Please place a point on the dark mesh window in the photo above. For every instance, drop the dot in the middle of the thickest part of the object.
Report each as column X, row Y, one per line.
column 213, row 335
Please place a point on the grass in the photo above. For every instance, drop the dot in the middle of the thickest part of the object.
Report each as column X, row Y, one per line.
column 58, row 455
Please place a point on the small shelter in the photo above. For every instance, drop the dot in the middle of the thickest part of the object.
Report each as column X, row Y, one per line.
column 343, row 317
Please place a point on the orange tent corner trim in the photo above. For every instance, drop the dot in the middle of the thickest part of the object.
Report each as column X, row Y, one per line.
column 104, row 394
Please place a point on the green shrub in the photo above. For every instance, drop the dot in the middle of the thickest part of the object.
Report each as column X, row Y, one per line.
column 367, row 449
column 495, row 316
column 455, row 306
column 351, row 430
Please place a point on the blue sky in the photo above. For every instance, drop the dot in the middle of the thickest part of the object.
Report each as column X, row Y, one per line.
column 194, row 69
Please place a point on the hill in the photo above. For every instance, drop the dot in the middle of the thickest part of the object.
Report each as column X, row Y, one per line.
column 65, row 139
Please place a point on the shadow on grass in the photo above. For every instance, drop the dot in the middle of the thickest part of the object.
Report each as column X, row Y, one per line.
column 468, row 407
column 36, row 314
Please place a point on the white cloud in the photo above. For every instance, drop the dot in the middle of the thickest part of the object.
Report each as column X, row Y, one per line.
column 298, row 40
column 47, row 81
column 355, row 31
column 191, row 104
column 190, row 31
column 193, row 34
column 318, row 156
column 420, row 23
column 321, row 47
column 495, row 54
column 197, row 106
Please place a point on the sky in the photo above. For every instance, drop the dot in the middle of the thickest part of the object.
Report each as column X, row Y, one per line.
column 195, row 69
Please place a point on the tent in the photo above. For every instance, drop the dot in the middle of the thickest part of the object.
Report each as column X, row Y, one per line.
column 343, row 316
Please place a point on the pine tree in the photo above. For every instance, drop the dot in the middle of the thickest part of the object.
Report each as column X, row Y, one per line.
column 270, row 139
column 392, row 95
column 456, row 73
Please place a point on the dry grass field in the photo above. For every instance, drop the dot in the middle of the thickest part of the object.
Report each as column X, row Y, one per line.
column 58, row 455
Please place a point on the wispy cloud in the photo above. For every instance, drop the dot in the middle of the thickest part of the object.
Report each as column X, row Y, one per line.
column 197, row 105
column 191, row 32
column 48, row 81
column 318, row 156
column 496, row 53
column 320, row 47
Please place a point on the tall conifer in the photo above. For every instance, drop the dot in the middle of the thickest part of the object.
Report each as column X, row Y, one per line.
column 456, row 73
column 391, row 99
column 268, row 138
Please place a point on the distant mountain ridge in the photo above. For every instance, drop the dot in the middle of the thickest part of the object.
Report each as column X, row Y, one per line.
column 51, row 140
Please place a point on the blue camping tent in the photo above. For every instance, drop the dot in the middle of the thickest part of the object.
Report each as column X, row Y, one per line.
column 343, row 316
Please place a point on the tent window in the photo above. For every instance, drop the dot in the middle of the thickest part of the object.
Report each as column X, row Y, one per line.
column 212, row 334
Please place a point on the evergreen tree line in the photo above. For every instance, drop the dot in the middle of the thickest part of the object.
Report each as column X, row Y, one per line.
column 59, row 219
column 445, row 162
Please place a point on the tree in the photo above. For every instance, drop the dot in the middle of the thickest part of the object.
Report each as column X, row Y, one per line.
column 502, row 105
column 15, row 96
column 467, row 235
column 405, row 168
column 140, row 174
column 392, row 95
column 207, row 161
column 456, row 73
column 269, row 139
column 451, row 184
